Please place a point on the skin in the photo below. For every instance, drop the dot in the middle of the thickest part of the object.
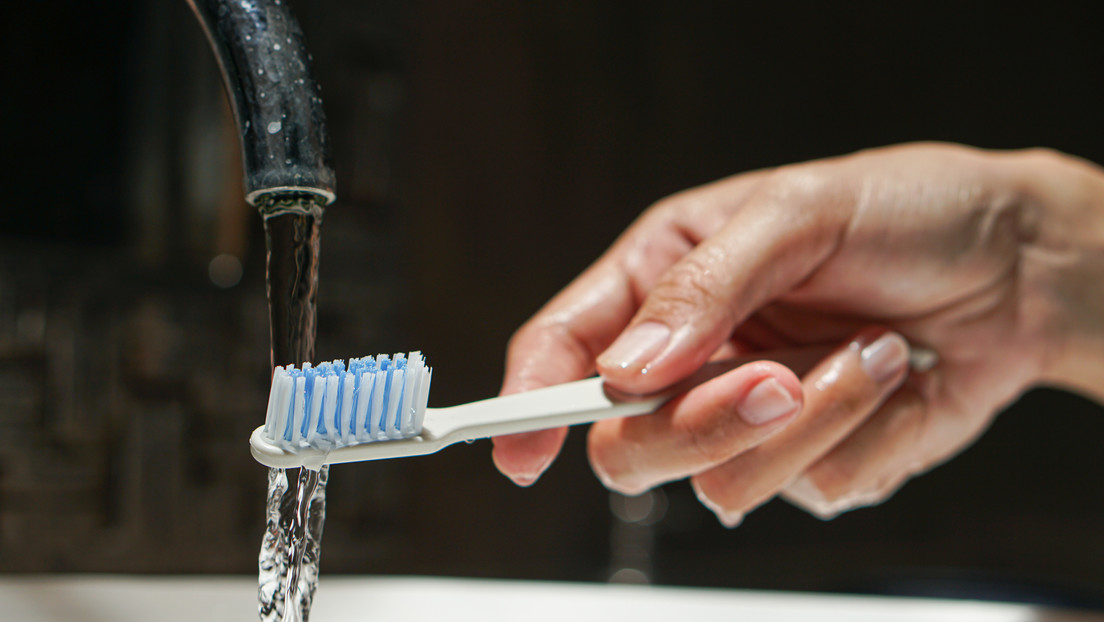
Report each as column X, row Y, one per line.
column 990, row 259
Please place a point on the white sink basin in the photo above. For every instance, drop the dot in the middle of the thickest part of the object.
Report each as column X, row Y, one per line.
column 104, row 598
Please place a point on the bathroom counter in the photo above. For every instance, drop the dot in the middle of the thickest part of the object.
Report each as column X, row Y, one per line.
column 103, row 598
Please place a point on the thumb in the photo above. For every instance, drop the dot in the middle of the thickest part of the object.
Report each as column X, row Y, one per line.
column 770, row 245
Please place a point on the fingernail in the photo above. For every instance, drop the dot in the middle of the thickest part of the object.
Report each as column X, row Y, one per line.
column 727, row 518
column 519, row 464
column 523, row 481
column 525, row 478
column 731, row 521
column 886, row 357
column 637, row 346
column 766, row 402
column 804, row 489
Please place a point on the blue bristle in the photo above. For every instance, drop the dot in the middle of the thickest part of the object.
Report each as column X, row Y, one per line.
column 401, row 364
column 311, row 374
column 339, row 369
column 370, row 368
column 356, row 366
column 356, row 403
column 369, row 397
column 325, row 370
column 290, row 427
column 390, row 369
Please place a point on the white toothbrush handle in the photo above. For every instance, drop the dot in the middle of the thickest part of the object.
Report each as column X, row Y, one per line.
column 583, row 401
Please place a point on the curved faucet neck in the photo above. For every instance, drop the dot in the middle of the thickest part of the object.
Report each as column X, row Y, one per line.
column 276, row 102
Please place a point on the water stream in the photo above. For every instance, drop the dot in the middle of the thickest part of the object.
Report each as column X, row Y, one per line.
column 295, row 514
column 288, row 562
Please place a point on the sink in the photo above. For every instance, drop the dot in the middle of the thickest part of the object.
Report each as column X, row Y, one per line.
column 114, row 598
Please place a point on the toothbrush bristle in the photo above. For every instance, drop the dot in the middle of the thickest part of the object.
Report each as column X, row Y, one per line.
column 376, row 399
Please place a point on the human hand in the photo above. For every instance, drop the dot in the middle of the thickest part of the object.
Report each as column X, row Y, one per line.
column 980, row 256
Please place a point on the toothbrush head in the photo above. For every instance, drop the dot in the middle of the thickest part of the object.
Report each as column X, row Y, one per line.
column 313, row 410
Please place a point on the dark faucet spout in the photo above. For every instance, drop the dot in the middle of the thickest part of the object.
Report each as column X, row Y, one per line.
column 275, row 99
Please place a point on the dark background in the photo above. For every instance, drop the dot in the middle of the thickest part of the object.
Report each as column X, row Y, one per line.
column 486, row 152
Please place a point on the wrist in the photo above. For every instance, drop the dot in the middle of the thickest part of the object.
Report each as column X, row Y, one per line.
column 1062, row 267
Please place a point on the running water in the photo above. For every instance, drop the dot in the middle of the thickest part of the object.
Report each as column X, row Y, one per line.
column 289, row 551
column 291, row 547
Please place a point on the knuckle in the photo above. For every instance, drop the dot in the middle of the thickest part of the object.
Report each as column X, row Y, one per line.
column 537, row 329
column 518, row 338
column 667, row 206
column 812, row 197
column 1045, row 155
column 839, row 407
column 802, row 183
column 693, row 285
column 708, row 438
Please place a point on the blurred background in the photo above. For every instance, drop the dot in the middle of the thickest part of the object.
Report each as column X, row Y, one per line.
column 486, row 152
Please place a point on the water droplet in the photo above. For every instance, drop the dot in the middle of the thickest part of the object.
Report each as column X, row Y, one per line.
column 276, row 46
column 288, row 161
column 469, row 440
column 260, row 72
column 248, row 37
column 274, row 127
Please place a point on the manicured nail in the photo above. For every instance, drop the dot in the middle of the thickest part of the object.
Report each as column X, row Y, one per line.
column 727, row 518
column 520, row 464
column 886, row 357
column 766, row 402
column 637, row 346
column 731, row 521
column 523, row 481
column 805, row 490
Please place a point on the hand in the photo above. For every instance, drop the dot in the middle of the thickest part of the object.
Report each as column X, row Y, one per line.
column 983, row 257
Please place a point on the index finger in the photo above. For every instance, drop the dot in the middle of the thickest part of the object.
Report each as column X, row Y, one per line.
column 560, row 343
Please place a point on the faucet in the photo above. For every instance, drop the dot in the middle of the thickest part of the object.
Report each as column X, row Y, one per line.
column 275, row 99
column 288, row 174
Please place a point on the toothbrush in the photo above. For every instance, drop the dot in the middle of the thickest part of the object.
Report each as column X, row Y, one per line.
column 376, row 408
